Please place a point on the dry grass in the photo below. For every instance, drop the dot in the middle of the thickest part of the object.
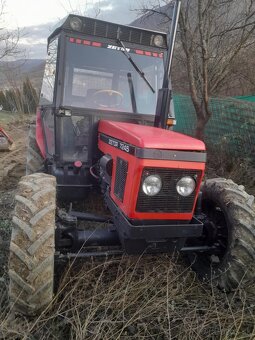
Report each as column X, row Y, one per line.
column 220, row 163
column 136, row 298
column 153, row 297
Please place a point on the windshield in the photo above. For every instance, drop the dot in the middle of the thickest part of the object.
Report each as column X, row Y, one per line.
column 100, row 76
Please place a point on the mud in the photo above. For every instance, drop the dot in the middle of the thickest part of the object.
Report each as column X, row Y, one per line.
column 12, row 163
column 12, row 167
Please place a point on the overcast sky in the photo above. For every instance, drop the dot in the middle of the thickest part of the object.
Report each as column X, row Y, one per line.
column 37, row 17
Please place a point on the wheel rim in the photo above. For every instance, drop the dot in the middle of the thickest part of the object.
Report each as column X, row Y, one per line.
column 216, row 231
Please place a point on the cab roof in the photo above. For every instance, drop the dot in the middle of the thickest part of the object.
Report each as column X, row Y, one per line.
column 105, row 29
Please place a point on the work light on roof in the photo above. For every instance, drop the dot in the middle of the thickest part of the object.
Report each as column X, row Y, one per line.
column 158, row 40
column 76, row 23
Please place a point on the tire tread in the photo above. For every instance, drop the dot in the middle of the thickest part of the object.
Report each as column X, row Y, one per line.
column 31, row 262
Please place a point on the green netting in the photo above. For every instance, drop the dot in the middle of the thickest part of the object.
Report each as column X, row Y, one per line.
column 246, row 98
column 232, row 123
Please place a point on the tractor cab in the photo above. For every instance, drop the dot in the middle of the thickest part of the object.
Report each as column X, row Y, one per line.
column 96, row 70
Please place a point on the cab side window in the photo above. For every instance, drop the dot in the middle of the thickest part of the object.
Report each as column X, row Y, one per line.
column 47, row 91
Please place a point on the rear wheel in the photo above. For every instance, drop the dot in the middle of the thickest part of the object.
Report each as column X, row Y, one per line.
column 34, row 157
column 32, row 247
column 229, row 219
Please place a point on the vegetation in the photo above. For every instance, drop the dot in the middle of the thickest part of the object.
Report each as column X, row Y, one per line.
column 9, row 39
column 6, row 117
column 147, row 297
column 136, row 298
column 213, row 36
column 22, row 100
column 131, row 297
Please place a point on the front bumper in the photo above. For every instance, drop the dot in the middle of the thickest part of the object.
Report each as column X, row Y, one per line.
column 141, row 238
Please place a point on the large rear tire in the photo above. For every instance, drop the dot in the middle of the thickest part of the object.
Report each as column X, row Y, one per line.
column 230, row 217
column 34, row 157
column 32, row 247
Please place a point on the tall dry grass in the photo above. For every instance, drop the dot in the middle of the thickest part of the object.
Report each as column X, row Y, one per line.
column 155, row 297
column 147, row 297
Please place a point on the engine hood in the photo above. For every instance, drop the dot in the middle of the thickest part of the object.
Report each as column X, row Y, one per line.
column 149, row 137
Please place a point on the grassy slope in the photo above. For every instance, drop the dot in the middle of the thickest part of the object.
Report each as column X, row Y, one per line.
column 7, row 117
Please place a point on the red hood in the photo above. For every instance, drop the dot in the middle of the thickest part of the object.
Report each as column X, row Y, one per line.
column 149, row 137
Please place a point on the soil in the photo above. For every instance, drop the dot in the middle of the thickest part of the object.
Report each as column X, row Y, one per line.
column 12, row 167
column 12, row 163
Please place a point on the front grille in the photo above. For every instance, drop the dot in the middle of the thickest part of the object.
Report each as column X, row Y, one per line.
column 167, row 200
column 101, row 28
column 90, row 27
column 121, row 176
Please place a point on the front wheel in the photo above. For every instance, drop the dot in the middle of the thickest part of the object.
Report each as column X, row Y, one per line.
column 32, row 247
column 229, row 219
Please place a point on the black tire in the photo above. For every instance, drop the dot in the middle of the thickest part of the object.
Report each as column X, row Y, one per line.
column 232, row 213
column 34, row 157
column 32, row 247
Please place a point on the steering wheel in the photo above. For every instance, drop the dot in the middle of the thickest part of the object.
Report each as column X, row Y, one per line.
column 108, row 98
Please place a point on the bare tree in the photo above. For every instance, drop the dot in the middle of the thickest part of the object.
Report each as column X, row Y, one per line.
column 9, row 39
column 242, row 80
column 83, row 8
column 212, row 35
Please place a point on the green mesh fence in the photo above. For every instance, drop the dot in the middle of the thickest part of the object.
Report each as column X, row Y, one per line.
column 247, row 98
column 232, row 123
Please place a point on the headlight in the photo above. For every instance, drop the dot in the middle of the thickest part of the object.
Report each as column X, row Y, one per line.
column 185, row 186
column 158, row 40
column 152, row 185
column 76, row 24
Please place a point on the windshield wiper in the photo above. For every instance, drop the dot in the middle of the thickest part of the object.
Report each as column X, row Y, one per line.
column 141, row 73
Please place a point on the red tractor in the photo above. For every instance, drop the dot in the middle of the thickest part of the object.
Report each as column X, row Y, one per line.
column 104, row 123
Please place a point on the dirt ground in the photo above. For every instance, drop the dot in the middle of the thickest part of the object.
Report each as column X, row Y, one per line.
column 12, row 163
column 12, row 167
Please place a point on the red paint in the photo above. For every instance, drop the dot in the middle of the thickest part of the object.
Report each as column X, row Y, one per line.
column 149, row 54
column 96, row 44
column 78, row 164
column 139, row 52
column 150, row 137
column 135, row 169
column 99, row 44
column 86, row 42
column 147, row 137
column 39, row 133
column 4, row 133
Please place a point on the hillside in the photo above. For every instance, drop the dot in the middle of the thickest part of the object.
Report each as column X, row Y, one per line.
column 239, row 82
column 13, row 73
